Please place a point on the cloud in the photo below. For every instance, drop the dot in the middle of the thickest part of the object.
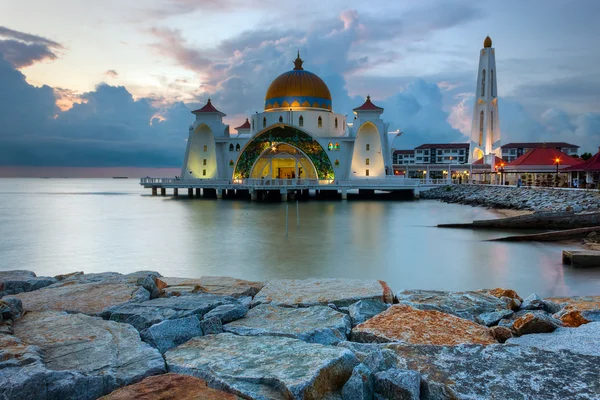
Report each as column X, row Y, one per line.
column 23, row 49
column 111, row 73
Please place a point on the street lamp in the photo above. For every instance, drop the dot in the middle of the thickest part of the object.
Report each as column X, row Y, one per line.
column 557, row 162
column 502, row 174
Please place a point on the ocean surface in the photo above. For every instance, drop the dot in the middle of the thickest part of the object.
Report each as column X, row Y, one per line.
column 56, row 226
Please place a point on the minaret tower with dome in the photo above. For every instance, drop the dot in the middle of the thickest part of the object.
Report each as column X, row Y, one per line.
column 485, row 127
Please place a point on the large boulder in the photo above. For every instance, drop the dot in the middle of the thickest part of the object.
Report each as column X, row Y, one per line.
column 228, row 312
column 500, row 372
column 360, row 386
column 91, row 293
column 319, row 324
column 219, row 285
column 410, row 325
column 143, row 315
column 364, row 309
column 398, row 384
column 18, row 281
column 535, row 322
column 170, row 387
column 589, row 306
column 467, row 305
column 582, row 340
column 72, row 356
column 312, row 292
column 264, row 367
column 171, row 333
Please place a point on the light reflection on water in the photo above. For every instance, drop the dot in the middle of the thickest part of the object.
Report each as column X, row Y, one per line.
column 54, row 226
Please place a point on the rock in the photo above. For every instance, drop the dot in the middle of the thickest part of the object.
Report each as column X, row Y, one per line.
column 170, row 387
column 372, row 355
column 218, row 285
column 501, row 333
column 228, row 312
column 19, row 281
column 492, row 318
column 571, row 318
column 582, row 340
column 313, row 292
column 533, row 302
column 410, row 325
column 267, row 367
column 211, row 326
column 398, row 384
column 11, row 308
column 360, row 386
column 171, row 333
column 467, row 305
column 500, row 372
column 142, row 315
column 364, row 309
column 319, row 324
column 535, row 323
column 72, row 356
column 588, row 305
column 551, row 307
column 500, row 293
column 246, row 301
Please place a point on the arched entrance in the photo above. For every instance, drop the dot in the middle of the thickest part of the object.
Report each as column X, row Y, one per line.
column 283, row 161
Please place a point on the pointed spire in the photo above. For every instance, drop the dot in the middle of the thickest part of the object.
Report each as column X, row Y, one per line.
column 487, row 42
column 298, row 63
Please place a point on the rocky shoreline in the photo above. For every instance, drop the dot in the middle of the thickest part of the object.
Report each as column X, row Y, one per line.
column 513, row 198
column 142, row 335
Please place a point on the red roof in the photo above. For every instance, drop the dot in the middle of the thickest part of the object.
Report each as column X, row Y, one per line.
column 593, row 164
column 443, row 146
column 533, row 145
column 368, row 106
column 544, row 156
column 497, row 161
column 245, row 125
column 208, row 108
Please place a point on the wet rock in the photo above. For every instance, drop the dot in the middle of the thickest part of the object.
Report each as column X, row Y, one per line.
column 11, row 308
column 364, row 309
column 319, row 324
column 582, row 340
column 170, row 387
column 571, row 318
column 361, row 384
column 211, row 326
column 171, row 333
column 313, row 292
column 533, row 302
column 501, row 333
column 532, row 322
column 410, row 325
column 492, row 318
column 228, row 312
column 267, row 367
column 19, row 281
column 500, row 372
column 142, row 315
column 218, row 285
column 588, row 305
column 467, row 305
column 398, row 384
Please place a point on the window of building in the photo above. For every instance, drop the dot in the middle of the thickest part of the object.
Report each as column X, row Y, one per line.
column 252, row 123
column 367, row 172
column 230, row 146
column 368, row 147
column 344, row 124
column 203, row 172
column 301, row 121
column 426, row 152
column 237, row 147
column 492, row 122
column 419, row 158
column 204, row 161
column 492, row 82
column 483, row 83
column 320, row 122
column 281, row 118
column 367, row 161
column 264, row 122
column 231, row 163
column 481, row 127
column 336, row 124
column 205, row 148
column 330, row 145
column 419, row 151
column 439, row 152
column 336, row 146
column 461, row 152
column 439, row 159
column 446, row 151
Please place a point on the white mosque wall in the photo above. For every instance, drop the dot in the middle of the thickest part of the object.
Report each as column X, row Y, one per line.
column 368, row 152
column 310, row 122
column 201, row 155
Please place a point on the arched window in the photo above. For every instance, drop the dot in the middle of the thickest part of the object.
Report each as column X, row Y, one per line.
column 252, row 123
column 336, row 123
column 368, row 147
column 492, row 126
column 492, row 82
column 237, row 147
column 264, row 122
column 330, row 145
column 480, row 128
column 320, row 123
column 281, row 118
column 231, row 163
column 230, row 146
column 205, row 148
column 301, row 121
column 336, row 146
column 344, row 125
column 367, row 161
column 483, row 83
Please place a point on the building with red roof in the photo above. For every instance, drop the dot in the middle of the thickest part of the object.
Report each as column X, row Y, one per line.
column 586, row 173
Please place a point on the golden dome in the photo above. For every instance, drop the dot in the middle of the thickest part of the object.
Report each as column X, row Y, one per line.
column 487, row 42
column 298, row 89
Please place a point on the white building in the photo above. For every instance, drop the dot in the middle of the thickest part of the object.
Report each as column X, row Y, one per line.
column 512, row 151
column 297, row 136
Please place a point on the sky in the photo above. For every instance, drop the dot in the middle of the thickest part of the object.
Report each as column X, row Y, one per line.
column 112, row 83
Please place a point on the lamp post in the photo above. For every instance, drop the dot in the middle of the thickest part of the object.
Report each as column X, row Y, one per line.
column 557, row 162
column 502, row 174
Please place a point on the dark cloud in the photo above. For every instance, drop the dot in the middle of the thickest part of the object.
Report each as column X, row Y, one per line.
column 111, row 73
column 23, row 49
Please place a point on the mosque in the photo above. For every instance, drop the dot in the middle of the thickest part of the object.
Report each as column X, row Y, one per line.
column 297, row 136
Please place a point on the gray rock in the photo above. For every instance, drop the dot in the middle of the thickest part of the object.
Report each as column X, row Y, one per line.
column 582, row 340
column 319, row 324
column 245, row 301
column 501, row 333
column 19, row 281
column 142, row 315
column 211, row 326
column 533, row 302
column 264, row 368
column 228, row 312
column 373, row 355
column 500, row 372
column 551, row 307
column 148, row 282
column 467, row 305
column 364, row 309
column 171, row 333
column 535, row 322
column 492, row 318
column 398, row 384
column 219, row 285
column 361, row 384
column 11, row 308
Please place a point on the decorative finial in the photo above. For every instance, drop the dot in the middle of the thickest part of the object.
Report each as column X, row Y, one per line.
column 298, row 63
column 209, row 100
column 368, row 98
column 487, row 43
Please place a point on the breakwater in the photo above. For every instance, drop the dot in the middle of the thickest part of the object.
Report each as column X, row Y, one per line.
column 534, row 199
column 85, row 336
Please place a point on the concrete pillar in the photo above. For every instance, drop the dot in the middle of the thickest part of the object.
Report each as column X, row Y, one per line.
column 253, row 195
column 344, row 194
column 163, row 191
column 198, row 192
column 284, row 195
column 190, row 193
column 219, row 193
column 416, row 193
column 154, row 191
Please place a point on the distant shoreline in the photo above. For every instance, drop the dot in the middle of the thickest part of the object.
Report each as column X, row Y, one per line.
column 86, row 172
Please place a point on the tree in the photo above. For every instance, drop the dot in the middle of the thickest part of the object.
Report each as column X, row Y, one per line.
column 586, row 156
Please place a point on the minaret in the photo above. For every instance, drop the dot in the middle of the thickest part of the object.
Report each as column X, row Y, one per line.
column 485, row 129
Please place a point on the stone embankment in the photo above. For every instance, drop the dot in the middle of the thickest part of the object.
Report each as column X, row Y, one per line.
column 533, row 199
column 141, row 335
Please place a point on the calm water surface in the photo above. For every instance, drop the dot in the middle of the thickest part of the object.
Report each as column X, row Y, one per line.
column 54, row 226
